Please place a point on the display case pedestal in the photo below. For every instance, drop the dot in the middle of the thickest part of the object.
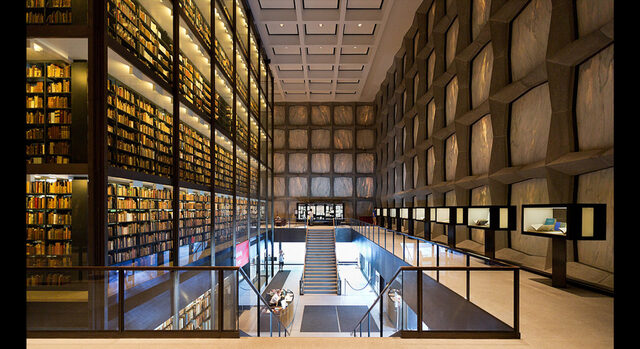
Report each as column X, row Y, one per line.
column 490, row 243
column 451, row 235
column 559, row 262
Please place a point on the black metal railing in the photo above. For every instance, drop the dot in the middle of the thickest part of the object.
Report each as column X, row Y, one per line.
column 144, row 302
column 408, row 314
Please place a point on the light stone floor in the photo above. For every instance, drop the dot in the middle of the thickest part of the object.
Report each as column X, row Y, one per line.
column 549, row 317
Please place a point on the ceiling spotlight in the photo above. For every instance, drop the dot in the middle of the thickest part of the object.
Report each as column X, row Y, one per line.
column 359, row 24
column 37, row 47
column 281, row 25
column 320, row 25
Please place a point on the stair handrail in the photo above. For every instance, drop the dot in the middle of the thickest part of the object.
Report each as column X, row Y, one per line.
column 335, row 255
column 306, row 245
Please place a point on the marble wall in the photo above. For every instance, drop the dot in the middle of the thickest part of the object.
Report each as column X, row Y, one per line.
column 529, row 38
column 479, row 16
column 592, row 15
column 594, row 102
column 324, row 151
column 451, row 101
column 451, row 157
column 431, row 164
column 452, row 41
column 481, row 142
column 530, row 122
column 481, row 69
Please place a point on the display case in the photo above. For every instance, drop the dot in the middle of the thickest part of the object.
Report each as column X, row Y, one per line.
column 420, row 221
column 568, row 221
column 321, row 212
column 492, row 217
column 405, row 220
column 454, row 215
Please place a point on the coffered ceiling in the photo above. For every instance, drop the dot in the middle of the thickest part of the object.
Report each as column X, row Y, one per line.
column 324, row 50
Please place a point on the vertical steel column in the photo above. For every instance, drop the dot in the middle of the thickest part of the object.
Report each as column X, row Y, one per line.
column 175, row 178
column 212, row 149
column 121, row 300
column 234, row 110
column 420, row 301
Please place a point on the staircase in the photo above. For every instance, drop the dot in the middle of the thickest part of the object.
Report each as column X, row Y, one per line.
column 320, row 267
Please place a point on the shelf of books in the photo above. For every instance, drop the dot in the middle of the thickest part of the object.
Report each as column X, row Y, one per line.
column 253, row 217
column 223, row 218
column 242, row 132
column 198, row 22
column 242, row 215
column 137, row 31
column 194, row 87
column 49, row 12
column 48, row 228
column 48, row 113
column 139, row 221
column 223, row 42
column 242, row 29
column 195, row 158
column 195, row 217
column 195, row 316
column 253, row 178
column 224, row 169
column 242, row 173
column 139, row 133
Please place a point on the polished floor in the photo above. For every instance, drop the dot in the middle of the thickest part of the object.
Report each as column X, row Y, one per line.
column 549, row 317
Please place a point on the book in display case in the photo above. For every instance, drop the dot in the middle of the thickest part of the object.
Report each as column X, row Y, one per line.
column 491, row 217
column 567, row 221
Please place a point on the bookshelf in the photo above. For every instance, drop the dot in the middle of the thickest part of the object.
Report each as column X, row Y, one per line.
column 223, row 113
column 223, row 169
column 242, row 133
column 132, row 26
column 242, row 214
column 195, row 316
column 48, row 228
column 195, row 158
column 139, row 221
column 198, row 22
column 48, row 112
column 195, row 217
column 223, row 222
column 242, row 176
column 139, row 133
column 193, row 86
column 49, row 12
column 253, row 178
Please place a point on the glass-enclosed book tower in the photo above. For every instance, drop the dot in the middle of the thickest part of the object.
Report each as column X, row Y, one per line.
column 148, row 136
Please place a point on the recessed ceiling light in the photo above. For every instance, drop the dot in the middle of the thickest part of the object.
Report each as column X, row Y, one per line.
column 359, row 24
column 37, row 47
column 281, row 25
column 355, row 46
column 320, row 25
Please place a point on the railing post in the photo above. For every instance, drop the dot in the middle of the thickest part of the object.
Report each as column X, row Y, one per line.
column 468, row 278
column 220, row 301
column 419, row 291
column 175, row 305
column 438, row 263
column 404, row 246
column 121, row 300
column 516, row 300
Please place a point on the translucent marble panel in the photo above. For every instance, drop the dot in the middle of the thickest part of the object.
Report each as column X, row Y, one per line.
column 530, row 120
column 597, row 187
column 431, row 165
column 278, row 186
column 365, row 163
column 593, row 14
column 365, row 139
column 343, row 115
column 452, row 41
column 278, row 162
column 320, row 186
column 364, row 187
column 343, row 163
column 431, row 66
column 348, row 209
column 594, row 102
column 451, row 101
column 298, row 139
column 481, row 69
column 298, row 186
column 320, row 115
column 298, row 115
column 278, row 138
column 451, row 157
column 404, row 176
column 529, row 37
column 479, row 16
column 278, row 115
column 416, row 129
column 450, row 198
column 431, row 15
column 481, row 142
column 298, row 162
column 320, row 163
column 431, row 117
column 320, row 139
column 364, row 208
column 533, row 191
column 280, row 208
column 343, row 139
column 342, row 186
column 416, row 171
column 365, row 115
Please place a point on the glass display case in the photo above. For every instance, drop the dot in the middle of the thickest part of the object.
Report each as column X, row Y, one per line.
column 455, row 215
column 320, row 212
column 569, row 221
column 492, row 217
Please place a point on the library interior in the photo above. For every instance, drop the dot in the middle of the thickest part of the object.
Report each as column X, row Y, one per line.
column 291, row 173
